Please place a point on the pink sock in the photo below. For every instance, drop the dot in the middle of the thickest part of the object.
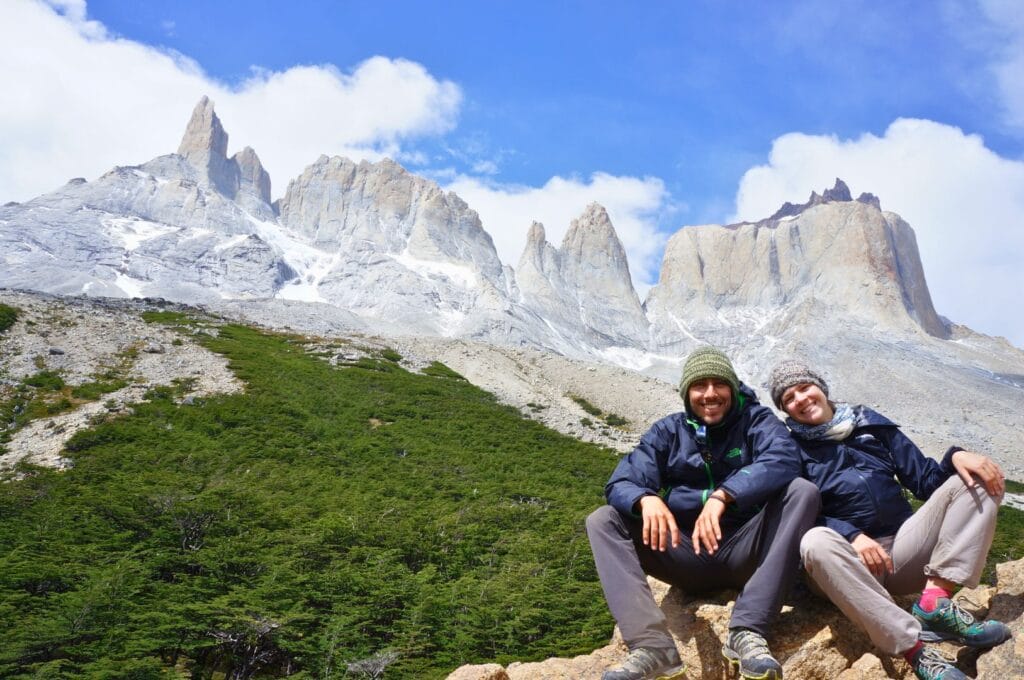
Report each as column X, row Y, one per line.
column 909, row 654
column 929, row 596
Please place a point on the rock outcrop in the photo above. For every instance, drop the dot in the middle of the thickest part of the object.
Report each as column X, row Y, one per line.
column 585, row 284
column 812, row 639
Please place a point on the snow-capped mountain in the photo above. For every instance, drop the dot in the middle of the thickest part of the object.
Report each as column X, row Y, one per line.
column 372, row 247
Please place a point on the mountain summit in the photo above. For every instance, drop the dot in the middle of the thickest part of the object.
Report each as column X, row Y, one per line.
column 371, row 247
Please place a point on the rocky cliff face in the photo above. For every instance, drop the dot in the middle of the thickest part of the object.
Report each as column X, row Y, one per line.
column 844, row 256
column 585, row 284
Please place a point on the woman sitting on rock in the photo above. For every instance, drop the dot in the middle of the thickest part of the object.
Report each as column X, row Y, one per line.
column 870, row 545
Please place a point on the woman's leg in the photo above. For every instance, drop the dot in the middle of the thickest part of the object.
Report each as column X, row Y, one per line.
column 835, row 568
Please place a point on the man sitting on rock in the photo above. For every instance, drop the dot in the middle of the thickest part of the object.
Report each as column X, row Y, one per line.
column 725, row 475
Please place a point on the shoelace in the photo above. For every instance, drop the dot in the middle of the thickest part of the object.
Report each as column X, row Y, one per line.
column 961, row 615
column 933, row 663
column 641, row 660
column 752, row 645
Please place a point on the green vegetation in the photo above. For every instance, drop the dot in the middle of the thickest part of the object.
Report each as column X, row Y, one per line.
column 609, row 418
column 8, row 315
column 1014, row 487
column 439, row 370
column 324, row 518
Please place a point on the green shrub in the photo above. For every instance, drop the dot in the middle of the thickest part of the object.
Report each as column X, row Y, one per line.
column 94, row 390
column 439, row 370
column 8, row 315
column 585, row 405
column 318, row 518
column 45, row 380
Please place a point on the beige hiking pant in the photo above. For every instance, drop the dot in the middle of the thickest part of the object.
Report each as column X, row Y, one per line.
column 948, row 537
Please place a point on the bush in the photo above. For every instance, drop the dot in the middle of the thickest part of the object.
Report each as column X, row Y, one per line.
column 314, row 520
column 8, row 315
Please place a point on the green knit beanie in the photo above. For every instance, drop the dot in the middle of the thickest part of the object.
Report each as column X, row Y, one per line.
column 707, row 362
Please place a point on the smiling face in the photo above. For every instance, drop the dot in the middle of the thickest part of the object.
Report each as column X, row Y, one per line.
column 807, row 404
column 710, row 399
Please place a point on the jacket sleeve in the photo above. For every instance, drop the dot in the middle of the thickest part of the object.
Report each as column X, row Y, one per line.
column 916, row 471
column 776, row 461
column 639, row 473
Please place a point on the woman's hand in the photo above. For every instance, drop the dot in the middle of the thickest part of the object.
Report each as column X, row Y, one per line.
column 659, row 524
column 969, row 464
column 872, row 555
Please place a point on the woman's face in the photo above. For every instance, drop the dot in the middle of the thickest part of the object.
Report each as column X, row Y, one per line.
column 807, row 404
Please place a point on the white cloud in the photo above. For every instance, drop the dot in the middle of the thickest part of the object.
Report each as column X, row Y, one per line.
column 964, row 201
column 1008, row 56
column 632, row 204
column 79, row 100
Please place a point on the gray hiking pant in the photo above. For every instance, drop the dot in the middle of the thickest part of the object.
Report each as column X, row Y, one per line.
column 761, row 557
column 948, row 537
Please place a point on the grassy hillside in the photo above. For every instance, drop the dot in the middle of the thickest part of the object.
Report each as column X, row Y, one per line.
column 326, row 516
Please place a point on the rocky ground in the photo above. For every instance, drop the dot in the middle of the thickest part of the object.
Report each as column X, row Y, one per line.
column 812, row 640
column 82, row 338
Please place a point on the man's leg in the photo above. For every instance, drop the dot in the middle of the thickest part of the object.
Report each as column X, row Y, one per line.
column 765, row 553
column 623, row 563
column 835, row 568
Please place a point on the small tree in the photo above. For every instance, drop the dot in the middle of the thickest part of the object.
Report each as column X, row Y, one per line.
column 374, row 666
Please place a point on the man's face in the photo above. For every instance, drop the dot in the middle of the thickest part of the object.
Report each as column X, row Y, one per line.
column 710, row 399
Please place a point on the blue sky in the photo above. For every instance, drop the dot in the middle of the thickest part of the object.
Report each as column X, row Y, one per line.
column 668, row 113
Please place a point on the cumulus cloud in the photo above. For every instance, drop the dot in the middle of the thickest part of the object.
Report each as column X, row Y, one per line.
column 79, row 100
column 633, row 204
column 1008, row 56
column 964, row 201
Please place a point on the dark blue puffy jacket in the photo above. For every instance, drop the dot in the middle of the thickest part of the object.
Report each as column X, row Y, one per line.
column 750, row 455
column 858, row 476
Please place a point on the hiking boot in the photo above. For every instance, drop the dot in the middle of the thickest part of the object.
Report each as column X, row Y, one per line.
column 950, row 621
column 646, row 663
column 749, row 651
column 928, row 664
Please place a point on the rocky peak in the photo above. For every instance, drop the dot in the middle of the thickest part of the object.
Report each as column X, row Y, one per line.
column 585, row 281
column 252, row 178
column 839, row 193
column 205, row 147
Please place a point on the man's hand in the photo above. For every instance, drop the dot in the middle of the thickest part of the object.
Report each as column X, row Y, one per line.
column 706, row 530
column 987, row 470
column 872, row 555
column 659, row 524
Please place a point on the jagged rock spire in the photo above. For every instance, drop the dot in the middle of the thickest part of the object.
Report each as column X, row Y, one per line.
column 205, row 147
column 585, row 282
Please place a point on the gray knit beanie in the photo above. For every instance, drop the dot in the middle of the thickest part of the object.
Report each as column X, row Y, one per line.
column 707, row 362
column 792, row 372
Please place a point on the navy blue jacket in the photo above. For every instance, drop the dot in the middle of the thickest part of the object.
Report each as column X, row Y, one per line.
column 858, row 476
column 750, row 455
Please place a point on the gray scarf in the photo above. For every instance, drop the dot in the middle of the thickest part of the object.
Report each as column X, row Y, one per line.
column 837, row 429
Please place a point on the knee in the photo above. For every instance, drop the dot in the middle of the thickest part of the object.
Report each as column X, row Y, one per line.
column 602, row 518
column 804, row 492
column 817, row 543
column 954, row 488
